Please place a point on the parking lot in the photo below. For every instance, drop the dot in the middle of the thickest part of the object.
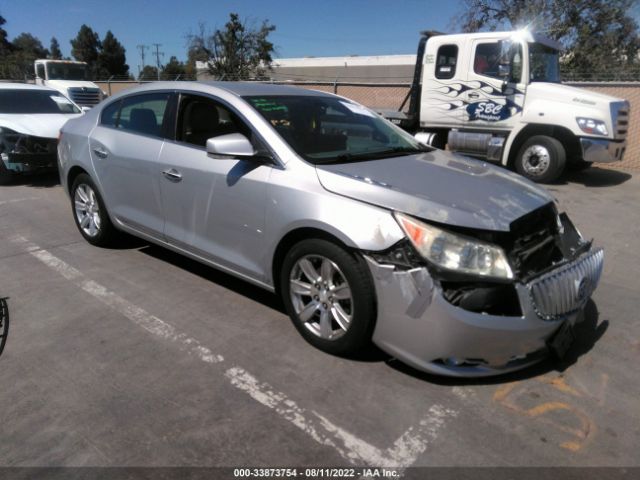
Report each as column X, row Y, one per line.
column 138, row 357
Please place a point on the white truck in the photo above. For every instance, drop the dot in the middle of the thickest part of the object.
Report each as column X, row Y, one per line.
column 498, row 96
column 70, row 78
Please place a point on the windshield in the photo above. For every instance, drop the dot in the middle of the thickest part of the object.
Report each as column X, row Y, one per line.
column 67, row 71
column 35, row 101
column 544, row 63
column 333, row 130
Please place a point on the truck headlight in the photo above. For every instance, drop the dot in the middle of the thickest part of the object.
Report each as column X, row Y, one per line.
column 592, row 126
column 455, row 252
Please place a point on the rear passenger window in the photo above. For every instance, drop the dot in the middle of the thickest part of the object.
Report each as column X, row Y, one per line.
column 446, row 61
column 110, row 114
column 143, row 113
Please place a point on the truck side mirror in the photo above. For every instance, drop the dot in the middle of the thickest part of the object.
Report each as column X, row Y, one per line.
column 504, row 67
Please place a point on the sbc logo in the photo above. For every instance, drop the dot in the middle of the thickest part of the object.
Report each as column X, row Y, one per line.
column 488, row 111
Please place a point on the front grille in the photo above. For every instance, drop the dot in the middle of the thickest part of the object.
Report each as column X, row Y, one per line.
column 85, row 97
column 566, row 290
column 533, row 242
column 620, row 116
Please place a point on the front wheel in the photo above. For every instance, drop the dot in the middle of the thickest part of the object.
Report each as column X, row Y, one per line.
column 90, row 213
column 329, row 295
column 541, row 159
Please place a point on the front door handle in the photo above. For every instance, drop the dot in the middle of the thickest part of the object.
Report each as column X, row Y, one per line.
column 474, row 95
column 172, row 174
column 100, row 152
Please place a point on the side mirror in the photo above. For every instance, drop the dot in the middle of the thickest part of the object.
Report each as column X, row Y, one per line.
column 85, row 109
column 231, row 145
column 504, row 65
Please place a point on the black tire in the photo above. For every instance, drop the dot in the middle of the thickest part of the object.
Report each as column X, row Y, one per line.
column 363, row 303
column 4, row 323
column 529, row 164
column 106, row 235
column 580, row 165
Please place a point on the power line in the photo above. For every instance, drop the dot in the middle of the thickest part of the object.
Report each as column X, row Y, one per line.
column 142, row 48
column 158, row 53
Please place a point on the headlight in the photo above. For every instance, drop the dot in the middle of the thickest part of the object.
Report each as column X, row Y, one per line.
column 455, row 252
column 592, row 126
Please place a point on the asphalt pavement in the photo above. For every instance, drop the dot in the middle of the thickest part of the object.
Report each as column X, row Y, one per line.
column 136, row 356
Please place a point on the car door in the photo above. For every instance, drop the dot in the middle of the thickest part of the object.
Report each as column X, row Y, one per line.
column 125, row 146
column 487, row 103
column 213, row 207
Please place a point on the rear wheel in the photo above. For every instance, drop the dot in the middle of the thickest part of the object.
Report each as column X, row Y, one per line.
column 329, row 295
column 90, row 213
column 541, row 159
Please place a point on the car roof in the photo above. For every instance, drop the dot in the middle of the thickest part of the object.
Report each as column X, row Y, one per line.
column 23, row 86
column 240, row 89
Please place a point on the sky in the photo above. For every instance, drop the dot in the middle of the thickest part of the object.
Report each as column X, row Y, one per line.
column 303, row 28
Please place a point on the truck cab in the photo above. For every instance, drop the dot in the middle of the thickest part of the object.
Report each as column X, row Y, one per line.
column 71, row 79
column 498, row 96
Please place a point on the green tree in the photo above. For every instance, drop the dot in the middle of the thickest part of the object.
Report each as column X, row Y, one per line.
column 54, row 49
column 240, row 51
column 25, row 50
column 111, row 57
column 173, row 69
column 149, row 72
column 86, row 47
column 5, row 45
column 600, row 38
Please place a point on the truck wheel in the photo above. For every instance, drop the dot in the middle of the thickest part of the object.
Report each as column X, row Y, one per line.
column 329, row 295
column 541, row 159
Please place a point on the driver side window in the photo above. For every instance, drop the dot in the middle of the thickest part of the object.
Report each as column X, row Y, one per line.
column 201, row 118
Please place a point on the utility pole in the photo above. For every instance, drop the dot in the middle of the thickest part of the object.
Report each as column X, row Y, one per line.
column 142, row 48
column 158, row 53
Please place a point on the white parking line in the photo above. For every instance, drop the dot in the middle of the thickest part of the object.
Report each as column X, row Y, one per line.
column 137, row 315
column 404, row 452
column 16, row 200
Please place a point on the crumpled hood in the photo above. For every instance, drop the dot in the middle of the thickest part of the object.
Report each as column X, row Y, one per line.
column 65, row 84
column 45, row 125
column 438, row 186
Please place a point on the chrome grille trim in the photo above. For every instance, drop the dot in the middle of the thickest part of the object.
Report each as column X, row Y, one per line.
column 620, row 117
column 85, row 97
column 566, row 290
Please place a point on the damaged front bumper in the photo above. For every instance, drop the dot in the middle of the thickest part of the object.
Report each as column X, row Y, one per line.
column 20, row 153
column 419, row 326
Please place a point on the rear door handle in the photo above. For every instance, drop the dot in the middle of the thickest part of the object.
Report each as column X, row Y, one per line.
column 172, row 174
column 100, row 152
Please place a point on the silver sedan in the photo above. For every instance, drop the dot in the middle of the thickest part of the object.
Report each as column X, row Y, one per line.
column 451, row 265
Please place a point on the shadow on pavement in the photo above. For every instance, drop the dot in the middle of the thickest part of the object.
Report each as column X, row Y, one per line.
column 595, row 177
column 216, row 276
column 587, row 331
column 45, row 180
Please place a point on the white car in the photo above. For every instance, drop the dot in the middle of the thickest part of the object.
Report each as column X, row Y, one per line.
column 30, row 119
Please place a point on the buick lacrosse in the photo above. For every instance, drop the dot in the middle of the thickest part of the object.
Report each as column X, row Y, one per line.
column 448, row 264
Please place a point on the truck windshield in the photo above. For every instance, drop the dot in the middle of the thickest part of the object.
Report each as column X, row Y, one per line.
column 333, row 130
column 34, row 101
column 67, row 71
column 544, row 63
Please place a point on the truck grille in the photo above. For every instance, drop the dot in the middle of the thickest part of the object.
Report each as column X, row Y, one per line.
column 85, row 97
column 620, row 116
column 566, row 290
